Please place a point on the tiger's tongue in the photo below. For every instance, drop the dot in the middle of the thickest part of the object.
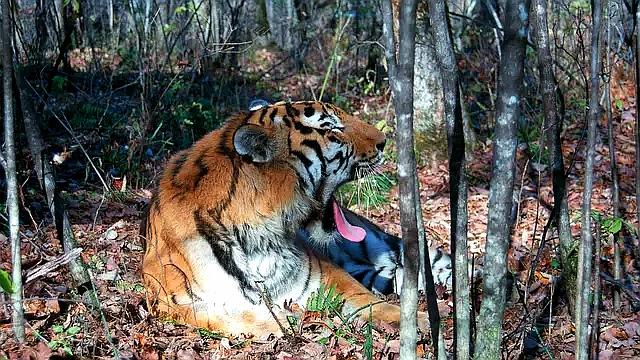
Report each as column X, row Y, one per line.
column 348, row 231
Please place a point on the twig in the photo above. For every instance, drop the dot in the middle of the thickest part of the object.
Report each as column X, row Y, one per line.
column 633, row 297
column 51, row 265
column 268, row 303
column 95, row 217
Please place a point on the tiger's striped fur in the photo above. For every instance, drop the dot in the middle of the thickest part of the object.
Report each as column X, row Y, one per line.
column 377, row 261
column 221, row 230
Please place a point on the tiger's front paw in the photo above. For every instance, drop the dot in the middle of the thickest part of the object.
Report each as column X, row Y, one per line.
column 253, row 294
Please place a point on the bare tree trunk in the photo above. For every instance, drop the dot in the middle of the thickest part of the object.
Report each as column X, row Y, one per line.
column 595, row 328
column 110, row 15
column 582, row 311
column 9, row 164
column 501, row 188
column 59, row 17
column 283, row 21
column 552, row 117
column 457, row 182
column 615, row 185
column 401, row 78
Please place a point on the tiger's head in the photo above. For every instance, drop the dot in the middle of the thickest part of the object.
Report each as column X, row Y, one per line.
column 324, row 145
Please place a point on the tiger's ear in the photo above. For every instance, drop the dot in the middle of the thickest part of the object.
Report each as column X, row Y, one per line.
column 252, row 141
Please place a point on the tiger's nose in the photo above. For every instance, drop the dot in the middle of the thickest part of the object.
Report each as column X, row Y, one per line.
column 380, row 145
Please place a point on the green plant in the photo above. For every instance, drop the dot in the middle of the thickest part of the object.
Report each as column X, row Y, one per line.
column 62, row 338
column 5, row 282
column 124, row 285
column 608, row 225
column 326, row 300
column 530, row 134
column 57, row 83
column 370, row 191
column 208, row 334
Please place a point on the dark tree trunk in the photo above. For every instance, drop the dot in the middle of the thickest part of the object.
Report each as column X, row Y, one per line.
column 553, row 119
column 457, row 182
column 9, row 163
column 615, row 184
column 501, row 187
column 583, row 304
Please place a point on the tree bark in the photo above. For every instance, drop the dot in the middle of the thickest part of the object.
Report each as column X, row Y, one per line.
column 615, row 185
column 401, row 72
column 9, row 163
column 283, row 20
column 553, row 119
column 582, row 306
column 457, row 183
column 597, row 289
column 501, row 186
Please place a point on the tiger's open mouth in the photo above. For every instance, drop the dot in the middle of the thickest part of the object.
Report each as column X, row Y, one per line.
column 334, row 219
column 333, row 216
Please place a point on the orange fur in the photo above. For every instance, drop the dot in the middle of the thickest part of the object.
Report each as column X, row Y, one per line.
column 209, row 191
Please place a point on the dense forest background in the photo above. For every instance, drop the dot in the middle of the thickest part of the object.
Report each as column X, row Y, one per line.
column 103, row 92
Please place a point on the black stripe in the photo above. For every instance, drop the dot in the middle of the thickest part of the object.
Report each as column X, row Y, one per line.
column 373, row 278
column 306, row 163
column 309, row 111
column 308, row 279
column 350, row 152
column 221, row 250
column 291, row 111
column 203, row 170
column 273, row 114
column 263, row 112
column 301, row 180
column 359, row 275
column 178, row 164
column 304, row 130
column 437, row 257
column 312, row 144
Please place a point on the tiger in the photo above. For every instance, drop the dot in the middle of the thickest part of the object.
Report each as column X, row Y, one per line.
column 221, row 244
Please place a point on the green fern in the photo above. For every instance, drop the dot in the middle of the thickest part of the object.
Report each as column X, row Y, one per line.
column 326, row 300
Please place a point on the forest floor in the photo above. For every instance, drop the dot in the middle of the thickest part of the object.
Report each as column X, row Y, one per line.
column 106, row 227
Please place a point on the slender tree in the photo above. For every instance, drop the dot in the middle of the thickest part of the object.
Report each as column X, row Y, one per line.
column 401, row 70
column 549, row 91
column 582, row 309
column 615, row 184
column 9, row 164
column 457, row 182
column 501, row 187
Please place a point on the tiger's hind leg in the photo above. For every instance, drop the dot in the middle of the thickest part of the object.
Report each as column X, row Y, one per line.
column 358, row 297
